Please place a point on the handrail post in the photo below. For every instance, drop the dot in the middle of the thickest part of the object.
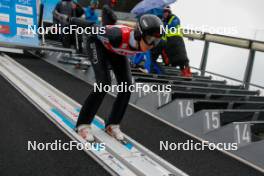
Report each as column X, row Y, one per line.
column 40, row 22
column 249, row 68
column 77, row 42
column 204, row 58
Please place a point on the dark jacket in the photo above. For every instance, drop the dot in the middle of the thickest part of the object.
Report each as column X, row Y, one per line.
column 108, row 16
column 68, row 8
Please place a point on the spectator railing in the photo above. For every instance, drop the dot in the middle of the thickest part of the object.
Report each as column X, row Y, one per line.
column 251, row 45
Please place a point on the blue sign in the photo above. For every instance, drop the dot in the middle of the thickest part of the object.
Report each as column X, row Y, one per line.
column 15, row 17
column 49, row 6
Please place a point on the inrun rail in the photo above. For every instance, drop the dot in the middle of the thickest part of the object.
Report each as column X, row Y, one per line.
column 117, row 159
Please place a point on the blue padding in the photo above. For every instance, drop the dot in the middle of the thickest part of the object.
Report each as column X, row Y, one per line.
column 98, row 124
column 129, row 146
column 63, row 118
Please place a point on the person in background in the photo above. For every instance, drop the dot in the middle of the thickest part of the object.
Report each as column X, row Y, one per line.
column 150, row 58
column 108, row 15
column 70, row 9
column 149, row 66
column 174, row 52
column 90, row 13
column 112, row 3
column 92, row 16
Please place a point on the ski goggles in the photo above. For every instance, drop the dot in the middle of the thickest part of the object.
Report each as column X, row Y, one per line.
column 152, row 40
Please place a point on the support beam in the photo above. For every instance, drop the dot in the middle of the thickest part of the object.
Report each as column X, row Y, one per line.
column 204, row 58
column 249, row 69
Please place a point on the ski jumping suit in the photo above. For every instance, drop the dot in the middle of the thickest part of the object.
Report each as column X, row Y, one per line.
column 112, row 49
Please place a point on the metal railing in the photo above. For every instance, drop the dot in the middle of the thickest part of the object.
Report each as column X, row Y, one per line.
column 252, row 45
column 232, row 81
column 36, row 48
